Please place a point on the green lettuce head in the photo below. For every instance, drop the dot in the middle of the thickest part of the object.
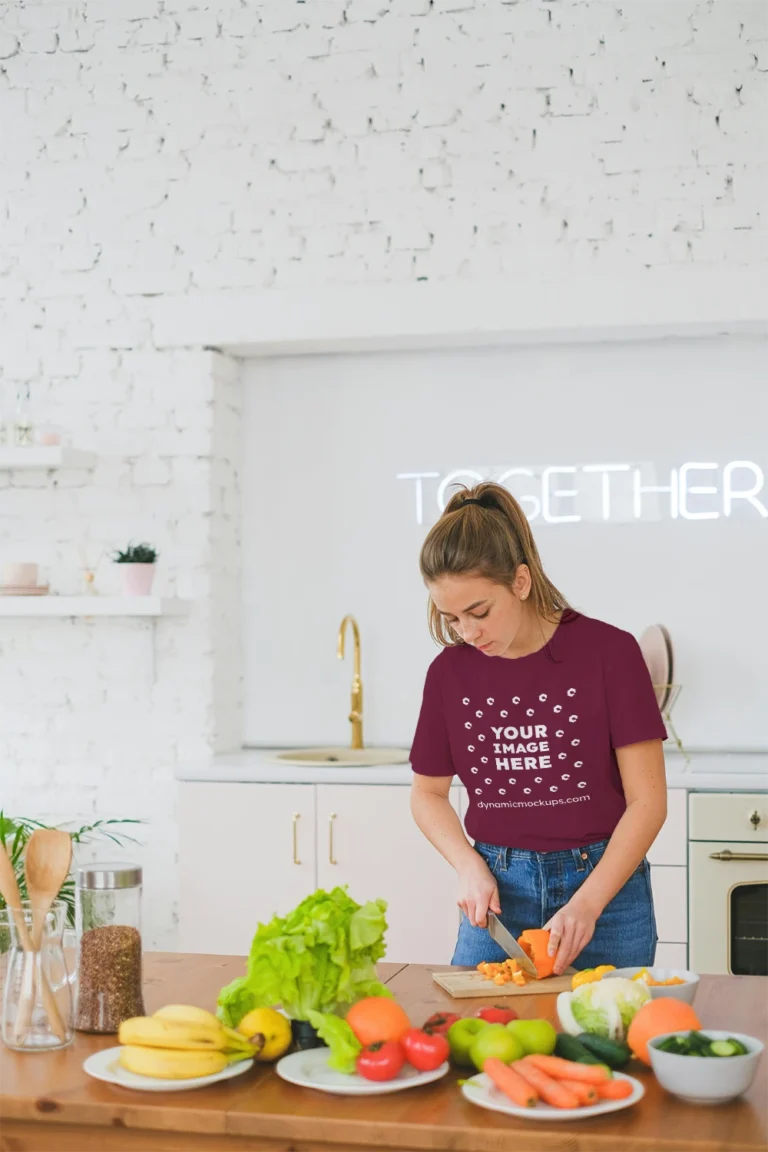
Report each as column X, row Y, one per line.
column 321, row 958
column 607, row 1007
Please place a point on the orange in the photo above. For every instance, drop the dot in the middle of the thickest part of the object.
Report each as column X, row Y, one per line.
column 654, row 1019
column 377, row 1018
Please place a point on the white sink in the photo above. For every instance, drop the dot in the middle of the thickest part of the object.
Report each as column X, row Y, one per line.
column 343, row 757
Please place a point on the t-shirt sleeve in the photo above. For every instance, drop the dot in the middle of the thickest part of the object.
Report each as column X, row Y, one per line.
column 633, row 711
column 431, row 749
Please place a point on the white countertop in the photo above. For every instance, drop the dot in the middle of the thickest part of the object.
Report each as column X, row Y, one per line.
column 707, row 772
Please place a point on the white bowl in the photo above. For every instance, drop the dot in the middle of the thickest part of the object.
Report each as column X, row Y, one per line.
column 706, row 1079
column 685, row 992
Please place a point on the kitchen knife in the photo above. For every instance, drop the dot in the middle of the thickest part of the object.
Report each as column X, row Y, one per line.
column 506, row 940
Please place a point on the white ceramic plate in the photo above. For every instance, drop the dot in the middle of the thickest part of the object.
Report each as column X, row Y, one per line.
column 480, row 1090
column 104, row 1066
column 310, row 1070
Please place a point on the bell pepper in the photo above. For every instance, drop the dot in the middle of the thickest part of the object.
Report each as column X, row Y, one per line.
column 535, row 943
column 591, row 975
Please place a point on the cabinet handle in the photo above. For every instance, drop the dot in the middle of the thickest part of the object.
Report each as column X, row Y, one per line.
column 331, row 858
column 296, row 818
column 726, row 854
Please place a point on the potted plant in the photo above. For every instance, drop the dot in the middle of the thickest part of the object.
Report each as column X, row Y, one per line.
column 138, row 568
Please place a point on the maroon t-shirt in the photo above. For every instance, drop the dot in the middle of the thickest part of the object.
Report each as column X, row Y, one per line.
column 534, row 739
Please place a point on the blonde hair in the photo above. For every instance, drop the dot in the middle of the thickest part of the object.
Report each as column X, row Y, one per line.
column 492, row 539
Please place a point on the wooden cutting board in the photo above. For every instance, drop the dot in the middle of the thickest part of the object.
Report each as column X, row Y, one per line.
column 465, row 985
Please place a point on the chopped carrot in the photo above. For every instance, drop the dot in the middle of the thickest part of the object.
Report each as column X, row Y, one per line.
column 569, row 1070
column 507, row 1080
column 614, row 1089
column 552, row 1092
column 584, row 1093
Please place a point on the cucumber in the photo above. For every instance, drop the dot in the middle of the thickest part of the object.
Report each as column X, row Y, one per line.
column 699, row 1044
column 610, row 1052
column 569, row 1048
column 677, row 1045
column 725, row 1048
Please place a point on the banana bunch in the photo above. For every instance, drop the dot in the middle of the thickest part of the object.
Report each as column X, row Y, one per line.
column 180, row 1042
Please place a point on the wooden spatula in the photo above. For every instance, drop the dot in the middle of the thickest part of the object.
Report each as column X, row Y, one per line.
column 46, row 865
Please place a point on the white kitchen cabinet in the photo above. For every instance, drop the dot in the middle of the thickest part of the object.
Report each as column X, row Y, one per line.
column 670, row 899
column 368, row 840
column 672, row 956
column 246, row 851
column 671, row 845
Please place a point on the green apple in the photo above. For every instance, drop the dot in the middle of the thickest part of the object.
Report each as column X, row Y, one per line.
column 461, row 1036
column 496, row 1041
column 535, row 1036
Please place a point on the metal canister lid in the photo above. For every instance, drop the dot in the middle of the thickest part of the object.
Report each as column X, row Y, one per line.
column 96, row 877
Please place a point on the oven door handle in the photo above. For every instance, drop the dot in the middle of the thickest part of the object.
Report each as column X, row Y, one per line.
column 726, row 854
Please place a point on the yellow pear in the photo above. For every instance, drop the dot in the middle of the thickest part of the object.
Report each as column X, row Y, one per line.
column 269, row 1032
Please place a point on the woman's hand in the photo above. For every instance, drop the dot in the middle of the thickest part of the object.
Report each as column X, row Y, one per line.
column 478, row 891
column 570, row 930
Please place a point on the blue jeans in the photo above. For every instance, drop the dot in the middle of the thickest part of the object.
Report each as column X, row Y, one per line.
column 534, row 885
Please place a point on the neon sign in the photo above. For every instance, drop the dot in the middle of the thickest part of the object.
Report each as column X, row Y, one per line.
column 618, row 492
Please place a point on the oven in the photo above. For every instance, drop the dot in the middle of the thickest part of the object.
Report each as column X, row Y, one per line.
column 728, row 883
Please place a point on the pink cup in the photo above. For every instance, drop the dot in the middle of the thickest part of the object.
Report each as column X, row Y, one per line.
column 19, row 575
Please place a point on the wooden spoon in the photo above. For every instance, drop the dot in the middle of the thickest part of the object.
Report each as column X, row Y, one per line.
column 47, row 861
column 9, row 890
column 12, row 897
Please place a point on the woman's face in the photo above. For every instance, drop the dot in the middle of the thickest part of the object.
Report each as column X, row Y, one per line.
column 486, row 615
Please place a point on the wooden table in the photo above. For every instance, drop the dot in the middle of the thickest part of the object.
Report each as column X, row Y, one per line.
column 48, row 1104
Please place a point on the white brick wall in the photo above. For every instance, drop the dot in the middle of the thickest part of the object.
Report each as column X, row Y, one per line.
column 168, row 147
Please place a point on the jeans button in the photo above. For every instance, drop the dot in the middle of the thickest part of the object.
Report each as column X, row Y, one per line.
column 584, row 856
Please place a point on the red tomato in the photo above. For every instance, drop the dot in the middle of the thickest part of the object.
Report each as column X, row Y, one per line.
column 425, row 1050
column 440, row 1022
column 381, row 1061
column 496, row 1014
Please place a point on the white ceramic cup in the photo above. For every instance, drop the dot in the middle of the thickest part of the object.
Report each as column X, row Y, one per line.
column 19, row 575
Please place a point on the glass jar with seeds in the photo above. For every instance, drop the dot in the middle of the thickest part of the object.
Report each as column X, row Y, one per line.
column 108, row 919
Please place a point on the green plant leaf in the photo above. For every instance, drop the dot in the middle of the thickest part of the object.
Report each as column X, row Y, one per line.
column 15, row 833
column 135, row 554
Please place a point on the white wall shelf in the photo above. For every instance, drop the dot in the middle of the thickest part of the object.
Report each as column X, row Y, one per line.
column 89, row 606
column 682, row 300
column 45, row 459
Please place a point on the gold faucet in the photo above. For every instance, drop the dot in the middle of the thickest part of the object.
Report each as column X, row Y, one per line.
column 356, row 706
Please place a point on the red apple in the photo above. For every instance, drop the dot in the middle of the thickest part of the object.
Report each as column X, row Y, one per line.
column 494, row 1014
column 439, row 1023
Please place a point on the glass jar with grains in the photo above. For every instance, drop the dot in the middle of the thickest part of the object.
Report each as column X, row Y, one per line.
column 108, row 920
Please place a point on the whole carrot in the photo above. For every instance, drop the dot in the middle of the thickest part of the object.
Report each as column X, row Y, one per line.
column 514, row 1087
column 568, row 1070
column 584, row 1093
column 553, row 1092
column 614, row 1089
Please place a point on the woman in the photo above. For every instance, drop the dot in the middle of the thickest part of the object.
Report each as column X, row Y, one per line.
column 550, row 720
